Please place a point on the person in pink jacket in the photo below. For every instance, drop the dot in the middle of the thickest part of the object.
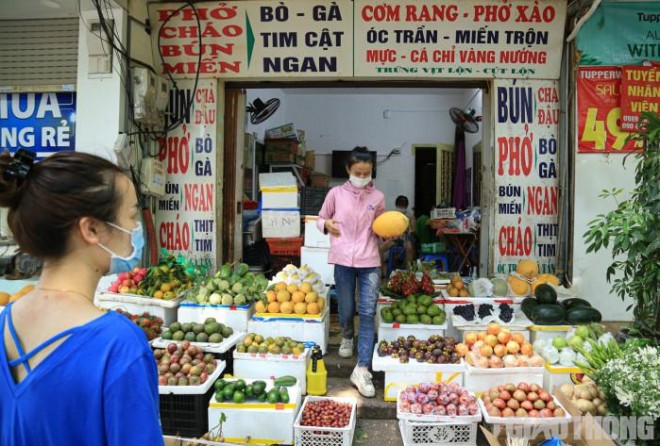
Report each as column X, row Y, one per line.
column 347, row 215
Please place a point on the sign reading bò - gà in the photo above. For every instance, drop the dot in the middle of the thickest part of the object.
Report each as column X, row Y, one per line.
column 342, row 39
column 470, row 38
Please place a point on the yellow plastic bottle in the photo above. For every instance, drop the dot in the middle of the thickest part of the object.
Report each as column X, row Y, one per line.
column 317, row 375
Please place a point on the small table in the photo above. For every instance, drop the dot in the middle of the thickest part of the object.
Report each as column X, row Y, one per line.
column 463, row 242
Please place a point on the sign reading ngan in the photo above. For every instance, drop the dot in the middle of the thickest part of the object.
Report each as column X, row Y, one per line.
column 345, row 39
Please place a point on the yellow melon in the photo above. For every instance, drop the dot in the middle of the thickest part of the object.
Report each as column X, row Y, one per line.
column 292, row 288
column 528, row 268
column 545, row 278
column 286, row 307
column 260, row 307
column 271, row 296
column 273, row 307
column 311, row 297
column 519, row 287
column 300, row 308
column 280, row 286
column 298, row 297
column 321, row 303
column 283, row 296
column 390, row 224
column 306, row 287
column 313, row 308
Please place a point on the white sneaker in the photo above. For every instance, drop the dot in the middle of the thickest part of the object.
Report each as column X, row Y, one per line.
column 361, row 378
column 346, row 348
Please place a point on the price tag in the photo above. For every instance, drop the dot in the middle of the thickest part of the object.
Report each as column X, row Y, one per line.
column 232, row 307
column 262, row 355
column 279, row 406
column 396, row 325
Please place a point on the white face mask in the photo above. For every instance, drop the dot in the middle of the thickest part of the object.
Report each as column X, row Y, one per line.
column 360, row 182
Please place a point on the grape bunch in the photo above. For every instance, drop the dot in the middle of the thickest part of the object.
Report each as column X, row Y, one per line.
column 506, row 312
column 485, row 310
column 465, row 311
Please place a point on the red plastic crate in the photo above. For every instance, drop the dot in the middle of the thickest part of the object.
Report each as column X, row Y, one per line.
column 285, row 246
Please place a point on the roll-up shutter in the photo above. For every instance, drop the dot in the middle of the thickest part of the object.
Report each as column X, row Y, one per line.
column 38, row 52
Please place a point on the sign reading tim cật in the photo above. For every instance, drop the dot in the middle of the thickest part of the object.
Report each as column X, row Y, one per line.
column 42, row 122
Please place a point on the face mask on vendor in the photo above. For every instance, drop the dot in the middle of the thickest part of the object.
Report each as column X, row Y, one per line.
column 360, row 182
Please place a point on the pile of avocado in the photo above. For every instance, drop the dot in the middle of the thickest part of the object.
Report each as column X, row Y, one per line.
column 414, row 310
column 239, row 392
column 210, row 331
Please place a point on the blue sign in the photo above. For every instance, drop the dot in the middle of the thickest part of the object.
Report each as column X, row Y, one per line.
column 42, row 122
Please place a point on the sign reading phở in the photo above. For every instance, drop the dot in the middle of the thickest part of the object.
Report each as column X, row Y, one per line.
column 186, row 217
column 599, row 111
column 469, row 38
column 526, row 187
column 256, row 39
column 640, row 92
column 41, row 122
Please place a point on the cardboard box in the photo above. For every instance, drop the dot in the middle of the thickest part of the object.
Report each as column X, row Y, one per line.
column 320, row 179
column 283, row 146
column 279, row 158
column 310, row 159
column 282, row 131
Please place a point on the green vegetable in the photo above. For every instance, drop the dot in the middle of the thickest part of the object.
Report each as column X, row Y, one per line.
column 583, row 332
column 273, row 396
column 249, row 391
column 581, row 315
column 599, row 355
column 548, row 314
column 285, row 381
column 240, row 384
column 576, row 342
column 238, row 397
column 242, row 269
column 545, row 294
column 219, row 384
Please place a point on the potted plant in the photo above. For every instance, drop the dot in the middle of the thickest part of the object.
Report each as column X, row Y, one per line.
column 632, row 229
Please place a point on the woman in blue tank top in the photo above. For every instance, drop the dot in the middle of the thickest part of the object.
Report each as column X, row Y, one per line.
column 69, row 373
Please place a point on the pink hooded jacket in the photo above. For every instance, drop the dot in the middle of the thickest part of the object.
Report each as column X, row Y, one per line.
column 354, row 210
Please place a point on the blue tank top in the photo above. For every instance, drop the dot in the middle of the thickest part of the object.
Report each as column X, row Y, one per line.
column 98, row 387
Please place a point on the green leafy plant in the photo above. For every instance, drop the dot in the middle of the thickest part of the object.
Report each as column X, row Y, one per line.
column 632, row 230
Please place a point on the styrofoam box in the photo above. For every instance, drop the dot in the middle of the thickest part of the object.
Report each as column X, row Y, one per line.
column 165, row 309
column 279, row 198
column 317, row 259
column 555, row 376
column 280, row 223
column 315, row 330
column 264, row 423
column 481, row 379
column 390, row 332
column 234, row 316
column 385, row 301
column 548, row 331
column 267, row 366
column 326, row 436
column 398, row 376
column 453, row 302
column 313, row 237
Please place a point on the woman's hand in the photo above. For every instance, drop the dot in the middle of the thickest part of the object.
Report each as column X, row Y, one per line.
column 332, row 228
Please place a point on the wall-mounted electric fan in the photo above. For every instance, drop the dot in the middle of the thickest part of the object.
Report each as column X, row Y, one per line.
column 260, row 110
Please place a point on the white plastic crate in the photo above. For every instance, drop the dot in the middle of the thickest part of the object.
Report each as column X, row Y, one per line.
column 479, row 379
column 555, row 376
column 234, row 316
column 264, row 423
column 251, row 365
column 545, row 423
column 208, row 347
column 165, row 309
column 325, row 436
column 398, row 376
column 303, row 328
column 425, row 433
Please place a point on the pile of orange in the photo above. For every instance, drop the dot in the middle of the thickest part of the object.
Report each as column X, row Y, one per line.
column 291, row 299
column 456, row 287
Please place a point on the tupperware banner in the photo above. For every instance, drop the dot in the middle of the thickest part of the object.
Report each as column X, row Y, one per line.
column 41, row 122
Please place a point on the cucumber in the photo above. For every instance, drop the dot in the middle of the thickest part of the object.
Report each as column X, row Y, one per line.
column 582, row 315
column 575, row 302
column 285, row 381
column 548, row 314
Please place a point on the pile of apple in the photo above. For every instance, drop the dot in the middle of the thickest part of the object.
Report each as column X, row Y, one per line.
column 128, row 282
column 498, row 347
column 438, row 399
column 522, row 401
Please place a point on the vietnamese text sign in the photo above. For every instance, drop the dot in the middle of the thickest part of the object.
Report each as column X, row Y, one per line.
column 621, row 33
column 256, row 39
column 450, row 38
column 526, row 187
column 599, row 111
column 640, row 92
column 186, row 217
column 41, row 122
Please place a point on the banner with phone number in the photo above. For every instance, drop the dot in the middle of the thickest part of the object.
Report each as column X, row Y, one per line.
column 599, row 111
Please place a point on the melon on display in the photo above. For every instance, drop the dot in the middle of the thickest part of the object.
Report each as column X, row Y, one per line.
column 545, row 278
column 528, row 268
column 500, row 287
column 519, row 287
column 390, row 224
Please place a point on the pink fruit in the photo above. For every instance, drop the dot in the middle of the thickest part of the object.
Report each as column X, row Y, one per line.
column 508, row 412
column 545, row 413
column 440, row 410
column 534, row 387
column 559, row 412
column 510, row 387
column 427, row 409
column 453, row 397
column 533, row 413
column 463, row 410
column 545, row 396
column 162, row 380
column 519, row 395
column 499, row 403
column 539, row 404
column 404, row 406
column 424, row 387
column 171, row 348
column 451, row 410
column 551, row 405
column 513, row 404
column 416, row 408
column 527, row 405
column 521, row 413
column 532, row 396
column 494, row 412
column 523, row 386
column 488, row 406
column 505, row 395
column 473, row 409
column 464, row 399
column 492, row 394
column 433, row 394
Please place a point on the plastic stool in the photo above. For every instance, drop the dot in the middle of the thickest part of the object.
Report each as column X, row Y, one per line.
column 396, row 254
column 438, row 257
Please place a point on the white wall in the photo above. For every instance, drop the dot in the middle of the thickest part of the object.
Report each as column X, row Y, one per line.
column 100, row 103
column 593, row 173
column 379, row 118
